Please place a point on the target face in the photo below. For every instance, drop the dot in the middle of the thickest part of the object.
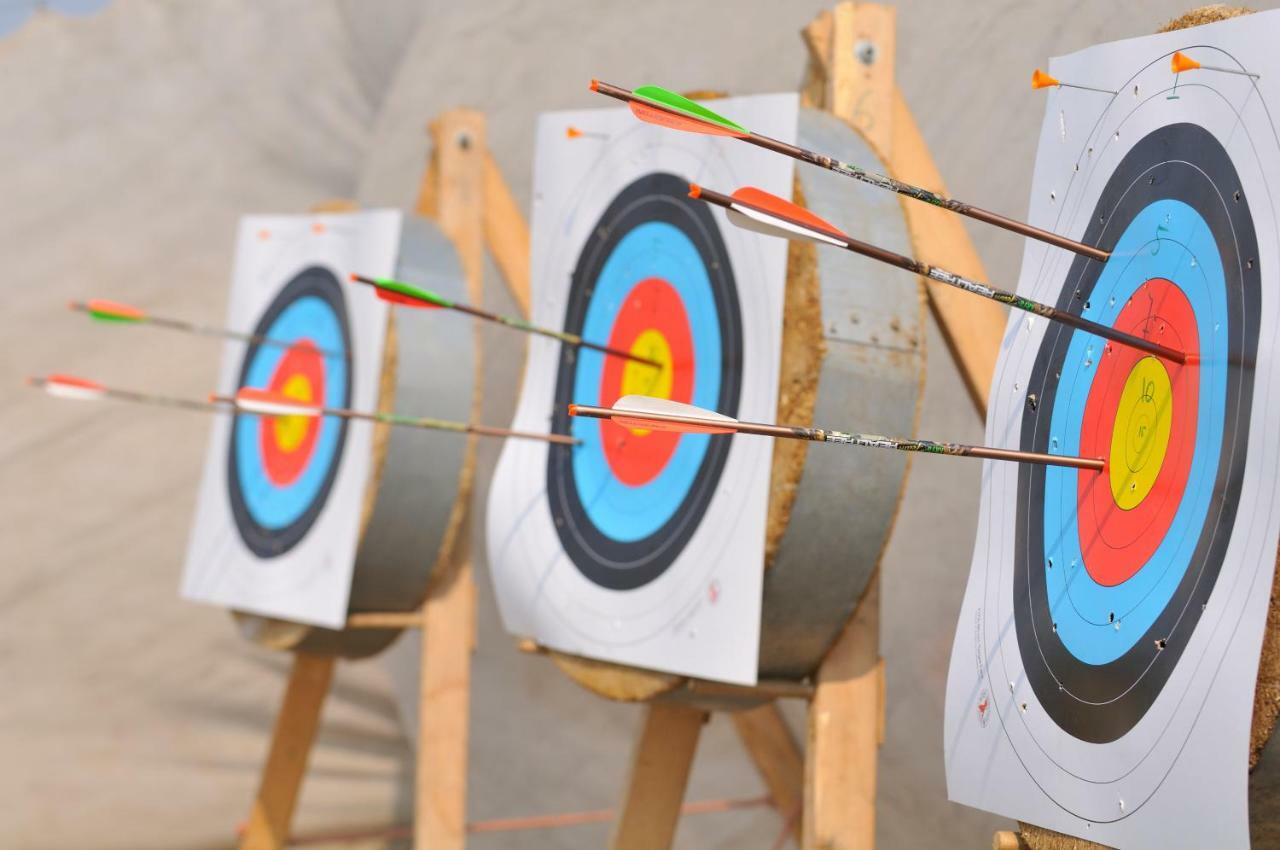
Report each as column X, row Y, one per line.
column 637, row 546
column 278, row 516
column 280, row 469
column 1113, row 620
column 655, row 280
column 1116, row 567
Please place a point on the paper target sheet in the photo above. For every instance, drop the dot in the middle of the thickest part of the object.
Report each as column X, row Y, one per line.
column 279, row 508
column 1102, row 676
column 645, row 547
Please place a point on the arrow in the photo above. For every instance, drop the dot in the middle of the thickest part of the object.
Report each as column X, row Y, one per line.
column 114, row 311
column 656, row 105
column 656, row 414
column 1041, row 80
column 253, row 401
column 259, row 402
column 1182, row 62
column 81, row 389
column 408, row 295
column 756, row 209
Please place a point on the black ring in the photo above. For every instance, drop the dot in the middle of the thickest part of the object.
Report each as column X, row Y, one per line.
column 1100, row 703
column 607, row 562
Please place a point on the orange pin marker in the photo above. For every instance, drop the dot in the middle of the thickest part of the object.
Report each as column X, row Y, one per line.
column 1182, row 62
column 1041, row 80
column 574, row 133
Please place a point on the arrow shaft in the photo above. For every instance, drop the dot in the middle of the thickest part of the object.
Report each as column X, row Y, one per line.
column 427, row 423
column 562, row 336
column 819, row 435
column 207, row 330
column 972, row 286
column 883, row 181
column 162, row 401
column 512, row 322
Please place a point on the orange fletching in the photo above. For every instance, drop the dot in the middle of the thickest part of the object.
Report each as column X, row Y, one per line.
column 1041, row 80
column 114, row 309
column 1182, row 62
column 572, row 132
column 637, row 424
column 676, row 121
column 772, row 204
column 73, row 381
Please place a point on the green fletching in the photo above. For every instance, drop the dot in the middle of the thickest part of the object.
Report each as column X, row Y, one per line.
column 411, row 291
column 109, row 316
column 671, row 100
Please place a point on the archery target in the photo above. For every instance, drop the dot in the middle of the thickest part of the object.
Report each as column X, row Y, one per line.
column 1109, row 639
column 640, row 546
column 277, row 522
column 281, row 469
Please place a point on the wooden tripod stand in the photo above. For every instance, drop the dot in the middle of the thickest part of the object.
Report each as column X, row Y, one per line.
column 828, row 791
column 465, row 193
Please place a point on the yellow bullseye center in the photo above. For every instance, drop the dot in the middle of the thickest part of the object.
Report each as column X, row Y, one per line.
column 290, row 430
column 1140, row 439
column 644, row 379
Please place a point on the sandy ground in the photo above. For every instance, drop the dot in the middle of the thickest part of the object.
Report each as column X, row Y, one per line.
column 129, row 144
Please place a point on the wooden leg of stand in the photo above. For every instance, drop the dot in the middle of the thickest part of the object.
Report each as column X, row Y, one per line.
column 659, row 772
column 844, row 732
column 291, row 742
column 773, row 749
column 448, row 626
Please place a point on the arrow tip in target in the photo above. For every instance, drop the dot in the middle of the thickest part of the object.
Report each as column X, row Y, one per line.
column 1041, row 80
column 268, row 403
column 69, row 386
column 1182, row 62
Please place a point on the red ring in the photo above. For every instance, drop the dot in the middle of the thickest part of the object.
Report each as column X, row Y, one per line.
column 652, row 304
column 283, row 467
column 1116, row 543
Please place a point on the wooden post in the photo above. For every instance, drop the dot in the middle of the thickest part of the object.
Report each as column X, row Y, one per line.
column 448, row 617
column 851, row 50
column 660, row 766
column 291, row 741
column 777, row 757
column 844, row 735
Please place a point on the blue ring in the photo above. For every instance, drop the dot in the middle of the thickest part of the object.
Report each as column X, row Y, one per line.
column 1186, row 253
column 274, row 507
column 654, row 249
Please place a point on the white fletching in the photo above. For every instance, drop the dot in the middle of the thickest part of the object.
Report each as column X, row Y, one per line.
column 76, row 392
column 266, row 404
column 641, row 405
column 749, row 218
